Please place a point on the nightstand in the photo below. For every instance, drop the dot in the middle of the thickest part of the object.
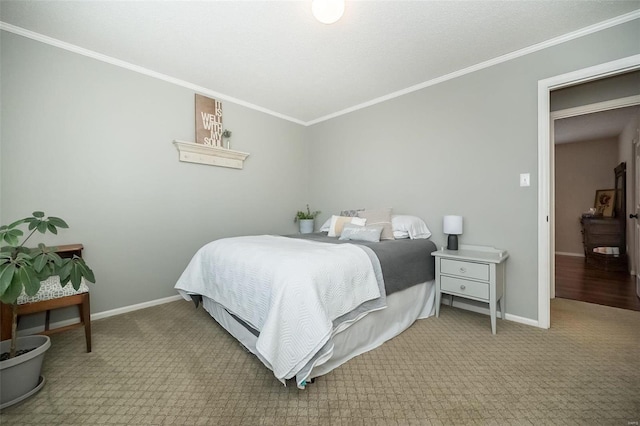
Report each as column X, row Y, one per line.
column 473, row 272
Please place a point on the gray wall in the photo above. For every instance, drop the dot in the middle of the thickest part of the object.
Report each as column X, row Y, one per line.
column 458, row 148
column 581, row 169
column 92, row 143
column 104, row 135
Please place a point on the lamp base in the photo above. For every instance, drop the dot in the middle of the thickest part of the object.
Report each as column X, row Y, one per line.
column 452, row 242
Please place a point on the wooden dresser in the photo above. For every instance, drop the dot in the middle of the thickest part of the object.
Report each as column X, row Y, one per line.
column 604, row 232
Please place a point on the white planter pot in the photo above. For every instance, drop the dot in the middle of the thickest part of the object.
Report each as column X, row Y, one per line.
column 306, row 226
column 20, row 376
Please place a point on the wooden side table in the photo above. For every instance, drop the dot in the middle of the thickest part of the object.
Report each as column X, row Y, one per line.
column 80, row 299
column 604, row 232
column 473, row 272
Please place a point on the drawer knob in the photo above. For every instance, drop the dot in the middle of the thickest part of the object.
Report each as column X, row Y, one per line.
column 463, row 270
column 462, row 287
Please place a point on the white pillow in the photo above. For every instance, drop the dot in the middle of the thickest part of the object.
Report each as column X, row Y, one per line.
column 413, row 225
column 400, row 235
column 326, row 226
column 360, row 221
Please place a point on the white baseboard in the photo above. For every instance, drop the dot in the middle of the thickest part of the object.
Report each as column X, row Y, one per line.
column 101, row 315
column 564, row 253
column 462, row 304
column 131, row 308
column 457, row 303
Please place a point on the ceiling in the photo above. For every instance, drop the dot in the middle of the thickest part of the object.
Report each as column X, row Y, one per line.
column 599, row 125
column 275, row 57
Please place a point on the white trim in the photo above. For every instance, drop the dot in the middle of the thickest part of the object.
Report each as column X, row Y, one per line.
column 545, row 232
column 458, row 303
column 104, row 314
column 597, row 107
column 564, row 253
column 545, row 227
column 486, row 64
column 500, row 59
column 136, row 307
column 135, row 68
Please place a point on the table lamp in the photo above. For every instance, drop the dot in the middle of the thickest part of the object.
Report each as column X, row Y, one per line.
column 452, row 225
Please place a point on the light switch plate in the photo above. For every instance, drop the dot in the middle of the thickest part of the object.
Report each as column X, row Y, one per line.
column 525, row 179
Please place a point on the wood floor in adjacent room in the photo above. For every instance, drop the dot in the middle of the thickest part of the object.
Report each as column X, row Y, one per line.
column 577, row 281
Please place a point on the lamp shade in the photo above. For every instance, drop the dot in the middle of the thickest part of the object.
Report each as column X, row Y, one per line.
column 327, row 11
column 452, row 225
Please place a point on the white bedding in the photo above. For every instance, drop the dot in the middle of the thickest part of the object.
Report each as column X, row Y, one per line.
column 296, row 293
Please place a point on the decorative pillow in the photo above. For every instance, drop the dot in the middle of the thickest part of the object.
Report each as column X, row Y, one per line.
column 415, row 227
column 327, row 225
column 379, row 217
column 359, row 221
column 51, row 289
column 361, row 233
column 350, row 213
column 338, row 222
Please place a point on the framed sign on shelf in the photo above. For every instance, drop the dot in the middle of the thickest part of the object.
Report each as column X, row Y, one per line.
column 208, row 121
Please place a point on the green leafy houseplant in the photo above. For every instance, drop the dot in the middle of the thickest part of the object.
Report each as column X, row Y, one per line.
column 24, row 268
column 302, row 215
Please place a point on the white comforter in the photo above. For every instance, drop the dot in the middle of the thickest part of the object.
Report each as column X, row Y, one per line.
column 290, row 290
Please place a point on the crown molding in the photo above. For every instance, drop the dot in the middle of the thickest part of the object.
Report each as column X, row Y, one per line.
column 619, row 20
column 141, row 70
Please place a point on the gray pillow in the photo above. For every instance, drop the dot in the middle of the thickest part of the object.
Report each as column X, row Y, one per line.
column 361, row 233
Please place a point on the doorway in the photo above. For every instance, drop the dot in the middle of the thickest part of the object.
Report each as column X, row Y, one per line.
column 588, row 149
column 546, row 219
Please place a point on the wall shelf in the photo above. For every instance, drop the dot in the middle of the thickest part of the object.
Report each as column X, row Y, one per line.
column 211, row 155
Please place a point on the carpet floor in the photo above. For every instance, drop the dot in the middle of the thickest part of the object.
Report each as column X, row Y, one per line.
column 172, row 364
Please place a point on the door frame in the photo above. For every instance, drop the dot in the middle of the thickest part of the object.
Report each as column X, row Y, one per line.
column 546, row 175
column 635, row 163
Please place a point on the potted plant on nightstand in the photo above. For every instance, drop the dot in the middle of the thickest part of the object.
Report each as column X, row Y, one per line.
column 306, row 219
column 22, row 269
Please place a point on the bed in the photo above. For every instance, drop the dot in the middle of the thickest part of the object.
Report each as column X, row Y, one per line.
column 305, row 304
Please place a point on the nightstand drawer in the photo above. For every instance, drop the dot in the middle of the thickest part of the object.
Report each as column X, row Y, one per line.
column 464, row 288
column 478, row 271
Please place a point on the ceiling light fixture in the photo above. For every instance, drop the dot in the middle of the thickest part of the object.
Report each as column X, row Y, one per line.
column 327, row 11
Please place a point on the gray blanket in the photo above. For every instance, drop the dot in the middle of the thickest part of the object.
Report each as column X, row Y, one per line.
column 404, row 263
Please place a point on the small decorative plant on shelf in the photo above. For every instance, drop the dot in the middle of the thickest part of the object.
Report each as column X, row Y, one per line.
column 23, row 268
column 306, row 220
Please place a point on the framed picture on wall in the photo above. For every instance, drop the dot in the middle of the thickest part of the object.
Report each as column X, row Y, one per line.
column 604, row 202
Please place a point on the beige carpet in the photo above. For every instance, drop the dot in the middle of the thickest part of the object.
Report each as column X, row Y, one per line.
column 172, row 364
